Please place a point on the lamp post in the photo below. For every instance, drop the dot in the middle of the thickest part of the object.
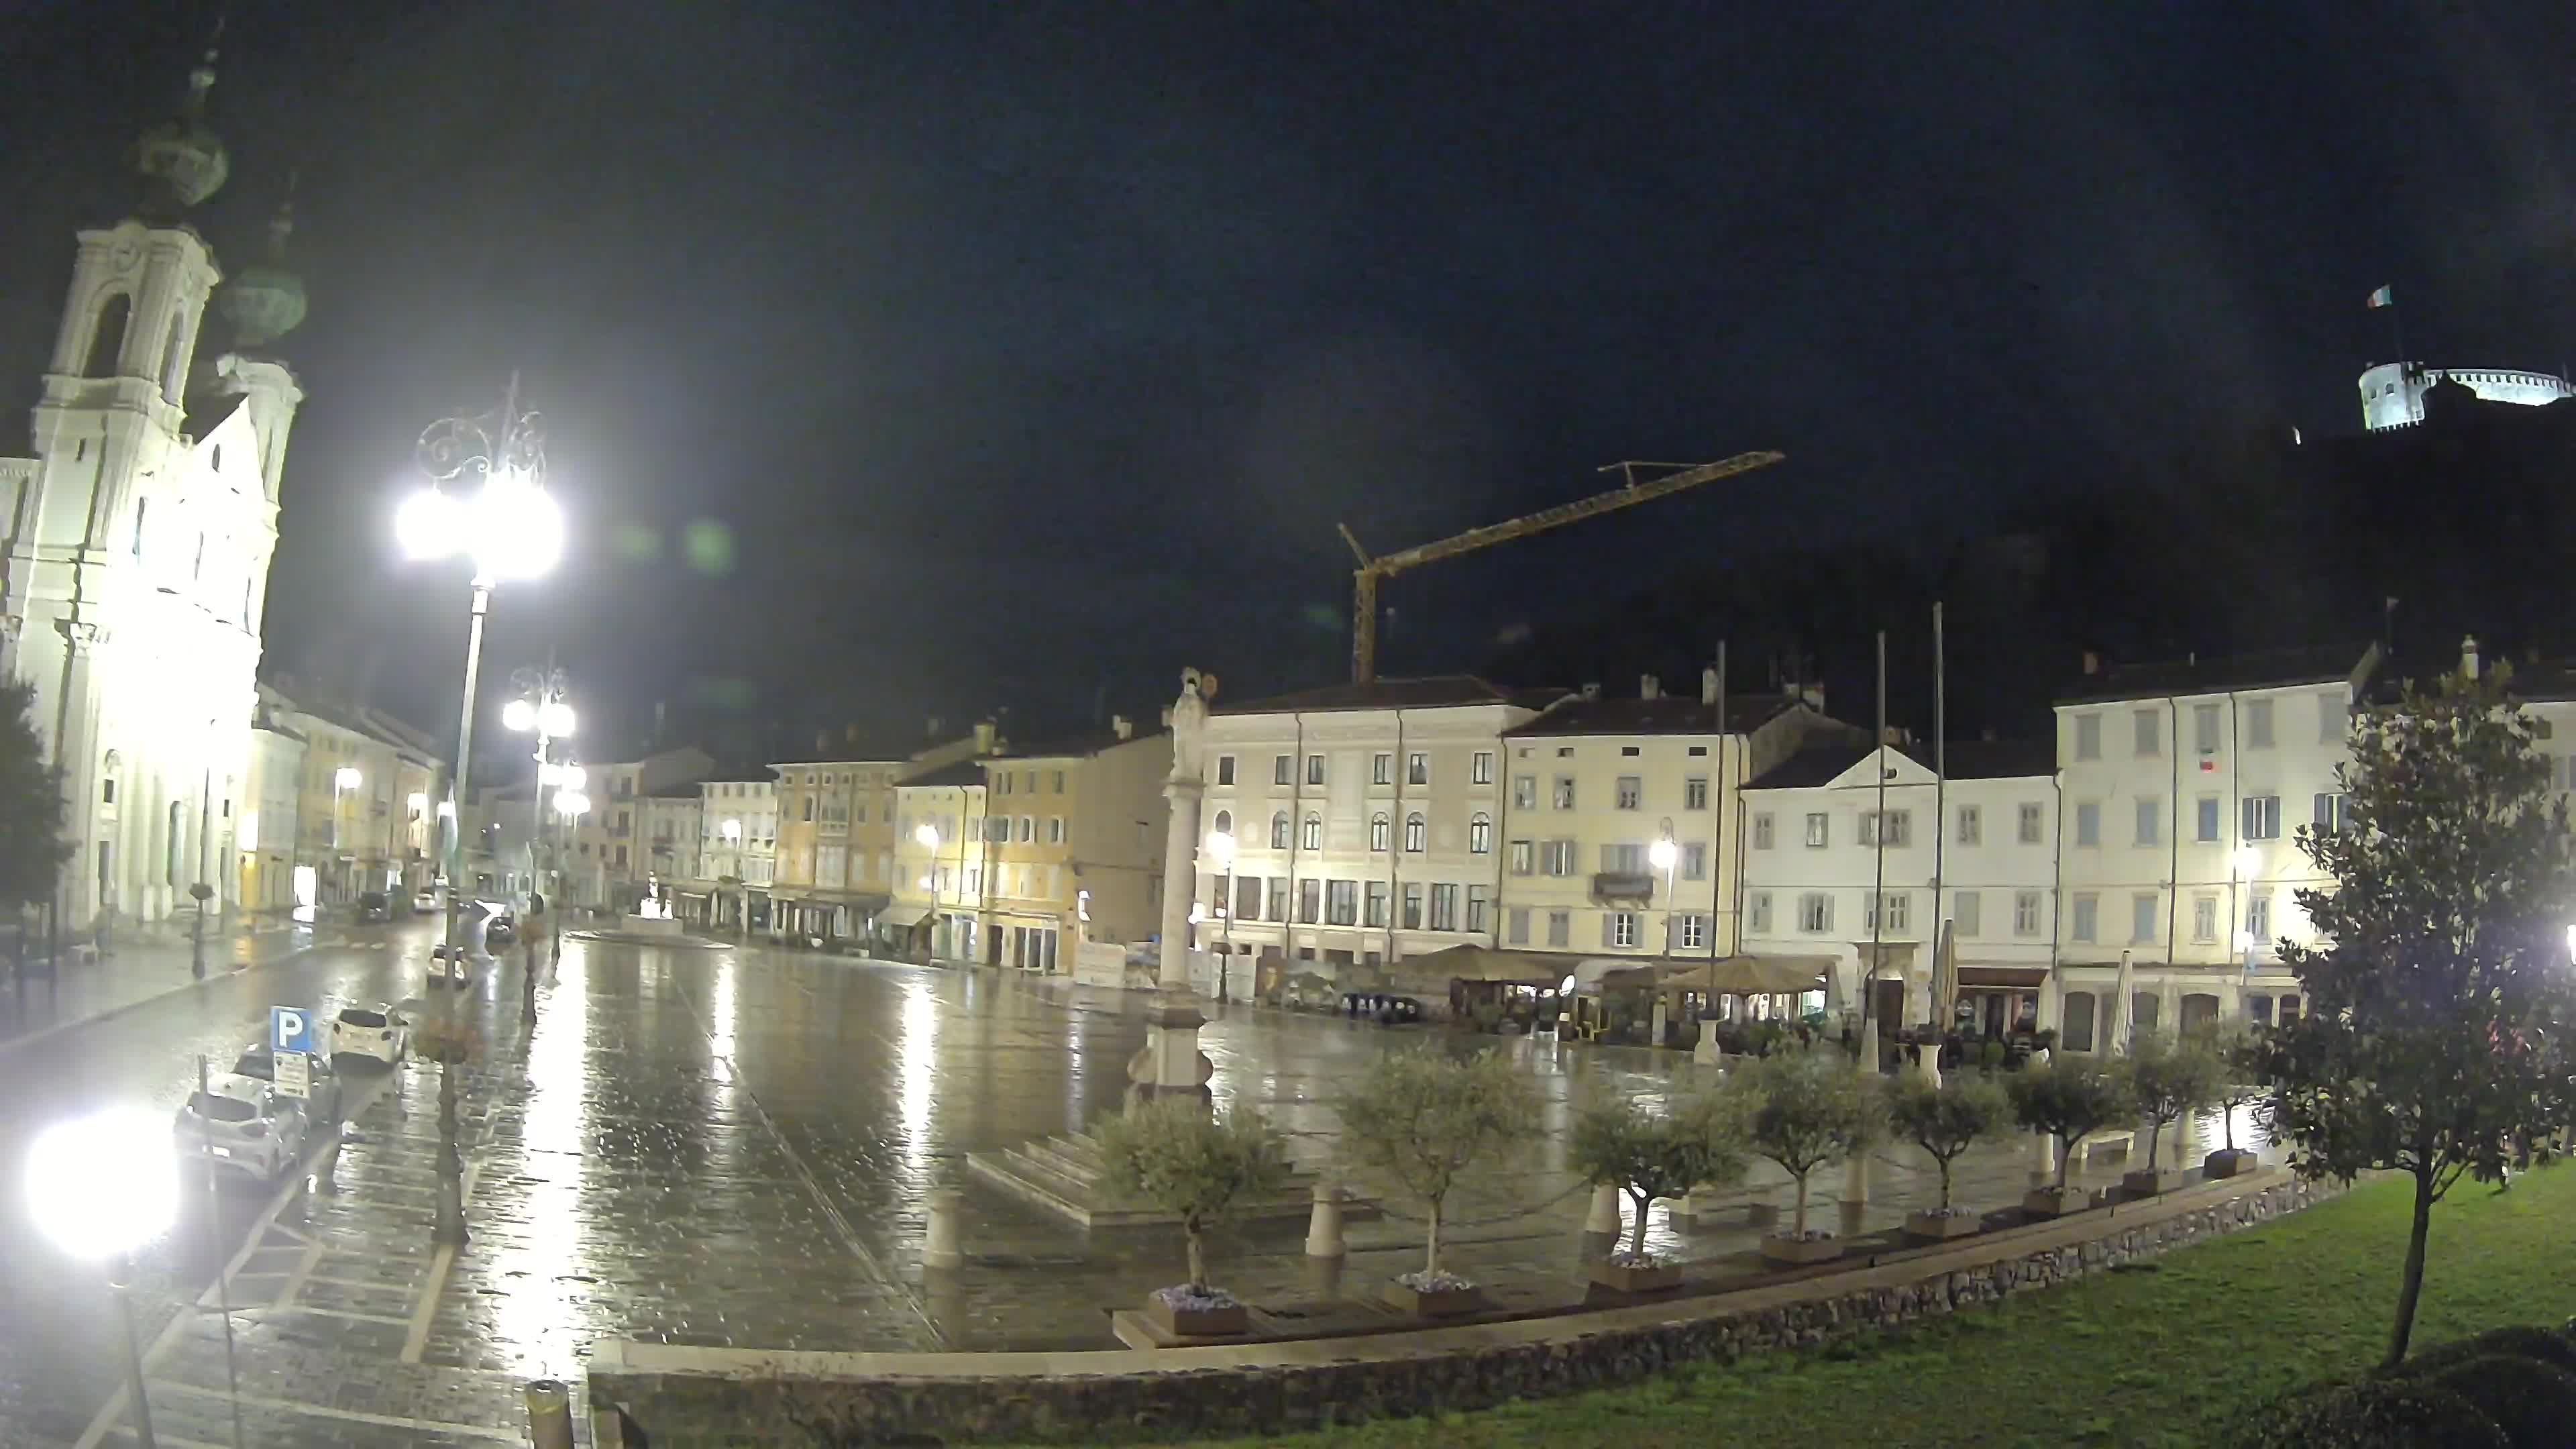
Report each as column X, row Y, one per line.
column 1220, row 848
column 487, row 502
column 732, row 831
column 100, row 1187
column 927, row 835
column 343, row 780
column 1663, row 854
column 539, row 708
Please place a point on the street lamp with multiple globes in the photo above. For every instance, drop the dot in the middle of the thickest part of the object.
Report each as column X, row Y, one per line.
column 487, row 502
column 927, row 835
column 100, row 1187
column 1220, row 848
column 732, row 831
column 343, row 780
column 539, row 708
column 1662, row 855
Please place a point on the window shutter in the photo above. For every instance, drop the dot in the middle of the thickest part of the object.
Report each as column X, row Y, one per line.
column 1605, row 928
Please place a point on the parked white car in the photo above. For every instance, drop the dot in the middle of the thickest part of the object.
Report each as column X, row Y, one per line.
column 239, row 1124
column 381, row 1032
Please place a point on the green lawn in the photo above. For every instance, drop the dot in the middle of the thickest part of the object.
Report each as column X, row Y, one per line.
column 2159, row 1355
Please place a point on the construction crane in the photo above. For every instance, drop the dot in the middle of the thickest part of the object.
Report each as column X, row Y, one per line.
column 1365, row 578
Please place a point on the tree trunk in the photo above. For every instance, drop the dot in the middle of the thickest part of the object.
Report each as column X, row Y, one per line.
column 1945, row 1182
column 1198, row 1257
column 1643, row 1202
column 2155, row 1141
column 2065, row 1158
column 2227, row 1124
column 1431, row 1256
column 2411, row 1287
column 1798, row 1223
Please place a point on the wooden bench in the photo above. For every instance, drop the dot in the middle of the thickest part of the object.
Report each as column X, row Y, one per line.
column 1761, row 1204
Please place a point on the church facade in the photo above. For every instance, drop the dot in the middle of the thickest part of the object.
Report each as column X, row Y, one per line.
column 139, row 536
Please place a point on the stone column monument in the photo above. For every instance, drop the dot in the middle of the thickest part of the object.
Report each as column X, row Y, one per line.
column 1171, row 1060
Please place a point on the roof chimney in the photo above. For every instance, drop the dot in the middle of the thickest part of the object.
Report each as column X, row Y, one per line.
column 1814, row 695
column 822, row 742
column 932, row 729
column 2468, row 656
column 1708, row 685
column 1649, row 687
column 850, row 734
column 1123, row 727
column 2092, row 662
column 985, row 730
column 1592, row 691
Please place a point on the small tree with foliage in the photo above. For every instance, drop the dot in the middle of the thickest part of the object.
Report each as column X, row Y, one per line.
column 1171, row 1152
column 2239, row 1052
column 1421, row 1118
column 1806, row 1108
column 32, row 847
column 2169, row 1079
column 2068, row 1100
column 1648, row 1154
column 2440, row 997
column 1945, row 1121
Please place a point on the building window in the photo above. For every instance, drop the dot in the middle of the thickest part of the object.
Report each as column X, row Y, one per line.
column 1564, row 799
column 1892, row 828
column 2204, row 728
column 1815, row 913
column 2078, row 1034
column 1314, row 769
column 1382, row 770
column 2204, row 918
column 1693, row 930
column 1028, row 829
column 1413, row 905
column 2088, row 911
column 1416, row 833
column 2334, row 719
column 1480, row 771
column 1632, row 792
column 2142, row 918
column 1762, row 831
column 1967, row 911
column 2034, row 822
column 1314, row 832
column 2262, row 817
column 808, row 802
column 1525, row 792
column 107, row 791
column 1524, row 858
column 1247, row 896
column 2150, row 820
column 1560, row 928
column 1619, row 928
column 2258, row 724
column 1376, row 904
column 2025, row 913
column 1695, row 860
column 1417, row 769
column 1819, row 830
column 1516, row 926
column 2205, row 819
column 1476, row 906
column 1480, row 833
column 1886, row 912
column 1378, row 831
column 2088, row 737
column 1055, row 830
column 1342, row 903
column 1695, row 793
column 2333, row 812
column 1757, row 912
column 1310, row 900
column 1972, row 825
column 1280, row 768
column 1279, row 831
column 1225, row 769
column 1626, row 858
column 1556, row 857
column 2258, row 918
column 2150, row 728
column 2088, row 823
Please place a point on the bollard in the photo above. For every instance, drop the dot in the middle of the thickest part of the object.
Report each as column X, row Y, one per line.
column 939, row 1231
column 1604, row 1217
column 549, row 1414
column 1324, row 1227
column 1684, row 1212
column 2043, row 1151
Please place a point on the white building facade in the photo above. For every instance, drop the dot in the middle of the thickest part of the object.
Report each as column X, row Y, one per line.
column 737, row 844
column 2392, row 393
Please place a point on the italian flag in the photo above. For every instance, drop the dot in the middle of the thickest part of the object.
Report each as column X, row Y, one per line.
column 2382, row 298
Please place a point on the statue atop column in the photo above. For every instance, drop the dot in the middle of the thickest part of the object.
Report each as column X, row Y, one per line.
column 1189, row 726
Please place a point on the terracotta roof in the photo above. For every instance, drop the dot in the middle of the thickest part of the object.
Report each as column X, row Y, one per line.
column 969, row 771
column 1964, row 760
column 2218, row 673
column 1076, row 746
column 1664, row 715
column 1436, row 692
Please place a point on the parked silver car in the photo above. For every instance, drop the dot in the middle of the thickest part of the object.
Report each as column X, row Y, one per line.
column 239, row 1124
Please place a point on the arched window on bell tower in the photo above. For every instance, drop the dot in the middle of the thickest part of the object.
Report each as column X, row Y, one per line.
column 107, row 338
column 174, row 363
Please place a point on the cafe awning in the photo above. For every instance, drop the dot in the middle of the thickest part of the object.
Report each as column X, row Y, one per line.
column 1481, row 963
column 900, row 916
column 1750, row 975
column 2022, row 978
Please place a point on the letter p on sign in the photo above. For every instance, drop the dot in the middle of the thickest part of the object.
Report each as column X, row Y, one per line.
column 290, row 1029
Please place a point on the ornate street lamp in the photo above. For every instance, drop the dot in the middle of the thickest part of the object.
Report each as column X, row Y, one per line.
column 99, row 1187
column 487, row 502
column 538, row 707
column 1220, row 848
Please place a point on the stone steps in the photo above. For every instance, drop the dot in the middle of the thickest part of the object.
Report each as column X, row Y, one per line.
column 1062, row 1174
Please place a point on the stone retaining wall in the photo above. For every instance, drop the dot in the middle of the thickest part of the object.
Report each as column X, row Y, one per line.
column 702, row 1398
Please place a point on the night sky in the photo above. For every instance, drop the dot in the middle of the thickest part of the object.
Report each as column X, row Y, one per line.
column 915, row 359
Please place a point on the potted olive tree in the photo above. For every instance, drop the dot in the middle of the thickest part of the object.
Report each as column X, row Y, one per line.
column 2066, row 1100
column 2240, row 1074
column 1419, row 1119
column 1945, row 1121
column 1804, row 1109
column 1171, row 1152
column 1647, row 1155
column 2169, row 1079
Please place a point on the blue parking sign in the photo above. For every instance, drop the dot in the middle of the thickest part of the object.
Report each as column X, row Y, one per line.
column 290, row 1029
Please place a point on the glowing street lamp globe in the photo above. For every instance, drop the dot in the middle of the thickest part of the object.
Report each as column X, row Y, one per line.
column 571, row 802
column 519, row 716
column 103, row 1184
column 511, row 529
column 347, row 777
column 928, row 835
column 1663, row 853
column 1220, row 848
column 556, row 717
column 732, row 831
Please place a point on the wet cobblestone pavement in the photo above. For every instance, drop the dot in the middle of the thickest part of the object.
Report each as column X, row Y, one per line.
column 732, row 1147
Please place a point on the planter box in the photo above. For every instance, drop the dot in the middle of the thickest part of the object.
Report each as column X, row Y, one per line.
column 1941, row 1227
column 1625, row 1279
column 2228, row 1162
column 1198, row 1322
column 1447, row 1303
column 2151, row 1183
column 2048, row 1202
column 1802, row 1250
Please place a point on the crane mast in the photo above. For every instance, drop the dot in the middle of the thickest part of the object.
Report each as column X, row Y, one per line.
column 1364, row 579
